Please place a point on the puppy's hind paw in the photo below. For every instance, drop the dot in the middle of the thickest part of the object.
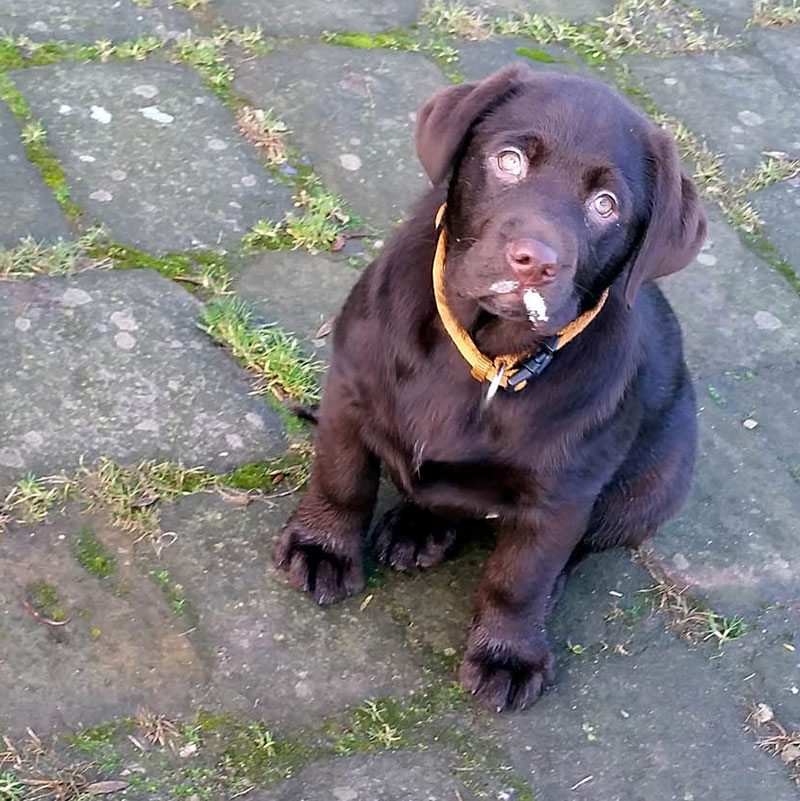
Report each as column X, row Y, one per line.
column 311, row 564
column 408, row 538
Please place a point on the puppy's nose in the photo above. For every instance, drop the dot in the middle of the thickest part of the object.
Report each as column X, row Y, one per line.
column 532, row 260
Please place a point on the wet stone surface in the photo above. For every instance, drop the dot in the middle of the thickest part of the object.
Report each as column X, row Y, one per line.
column 151, row 154
column 120, row 646
column 89, row 20
column 312, row 17
column 733, row 100
column 778, row 46
column 273, row 652
column 735, row 311
column 27, row 206
column 351, row 112
column 113, row 364
column 300, row 290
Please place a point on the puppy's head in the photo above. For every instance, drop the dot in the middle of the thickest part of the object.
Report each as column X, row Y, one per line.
column 557, row 187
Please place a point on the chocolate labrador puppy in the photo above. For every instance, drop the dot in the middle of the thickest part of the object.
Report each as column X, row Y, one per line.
column 510, row 358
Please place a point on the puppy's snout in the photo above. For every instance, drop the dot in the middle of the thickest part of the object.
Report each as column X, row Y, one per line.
column 532, row 260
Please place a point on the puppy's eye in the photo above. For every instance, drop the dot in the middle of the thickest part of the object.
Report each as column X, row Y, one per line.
column 604, row 204
column 511, row 161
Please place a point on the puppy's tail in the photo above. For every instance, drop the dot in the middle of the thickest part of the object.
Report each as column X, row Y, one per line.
column 305, row 411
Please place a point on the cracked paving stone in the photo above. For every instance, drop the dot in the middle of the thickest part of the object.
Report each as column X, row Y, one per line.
column 779, row 207
column 89, row 20
column 113, row 364
column 298, row 290
column 120, row 648
column 313, row 17
column 735, row 310
column 733, row 100
column 576, row 10
column 151, row 154
column 27, row 206
column 352, row 113
column 273, row 651
column 479, row 59
column 736, row 543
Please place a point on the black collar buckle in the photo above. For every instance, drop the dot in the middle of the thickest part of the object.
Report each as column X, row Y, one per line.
column 534, row 365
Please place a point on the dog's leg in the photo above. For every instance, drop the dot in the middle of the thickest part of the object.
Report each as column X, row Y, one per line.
column 320, row 546
column 509, row 662
column 409, row 537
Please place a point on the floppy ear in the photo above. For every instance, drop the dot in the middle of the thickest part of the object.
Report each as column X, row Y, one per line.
column 446, row 118
column 677, row 225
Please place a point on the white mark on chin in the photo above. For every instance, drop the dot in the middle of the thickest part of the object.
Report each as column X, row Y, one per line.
column 502, row 287
column 534, row 303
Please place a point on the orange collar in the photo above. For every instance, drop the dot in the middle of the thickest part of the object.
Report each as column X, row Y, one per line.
column 504, row 370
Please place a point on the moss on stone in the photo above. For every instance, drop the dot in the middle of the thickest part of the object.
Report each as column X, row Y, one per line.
column 92, row 556
column 47, row 602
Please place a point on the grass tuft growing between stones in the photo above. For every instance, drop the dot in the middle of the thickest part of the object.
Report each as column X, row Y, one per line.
column 772, row 14
column 657, row 27
column 32, row 258
column 172, row 592
column 689, row 617
column 207, row 55
column 265, row 132
column 31, row 498
column 271, row 354
column 322, row 220
column 11, row 788
column 38, row 151
column 132, row 494
column 774, row 738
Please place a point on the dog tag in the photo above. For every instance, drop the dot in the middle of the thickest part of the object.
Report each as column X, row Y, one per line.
column 495, row 384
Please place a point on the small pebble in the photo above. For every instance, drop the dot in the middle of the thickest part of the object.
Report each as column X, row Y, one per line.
column 750, row 424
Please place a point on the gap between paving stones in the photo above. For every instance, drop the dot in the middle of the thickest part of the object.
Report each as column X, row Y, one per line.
column 206, row 56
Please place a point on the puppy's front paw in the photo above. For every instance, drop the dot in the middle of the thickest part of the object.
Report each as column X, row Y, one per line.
column 408, row 538
column 314, row 564
column 507, row 674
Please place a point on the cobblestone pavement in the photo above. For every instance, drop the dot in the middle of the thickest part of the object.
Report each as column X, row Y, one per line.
column 188, row 190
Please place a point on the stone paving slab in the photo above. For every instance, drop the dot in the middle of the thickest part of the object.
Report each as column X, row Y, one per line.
column 735, row 310
column 89, row 20
column 655, row 724
column 393, row 776
column 352, row 113
column 737, row 540
column 644, row 722
column 151, row 154
column 273, row 652
column 733, row 100
column 479, row 59
column 121, row 647
column 113, row 364
column 779, row 47
column 27, row 206
column 312, row 17
column 577, row 11
column 779, row 207
column 300, row 290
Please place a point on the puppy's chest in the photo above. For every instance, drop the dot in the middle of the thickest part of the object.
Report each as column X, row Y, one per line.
column 444, row 443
